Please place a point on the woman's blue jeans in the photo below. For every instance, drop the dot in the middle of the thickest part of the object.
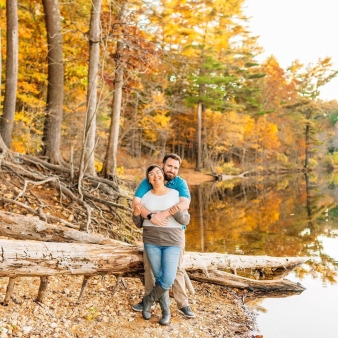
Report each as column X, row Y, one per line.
column 164, row 263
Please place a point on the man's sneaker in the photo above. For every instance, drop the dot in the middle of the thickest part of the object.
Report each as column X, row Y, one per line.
column 186, row 311
column 139, row 307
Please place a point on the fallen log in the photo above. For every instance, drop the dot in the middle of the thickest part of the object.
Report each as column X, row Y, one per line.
column 32, row 258
column 17, row 226
column 281, row 286
column 208, row 261
column 32, row 228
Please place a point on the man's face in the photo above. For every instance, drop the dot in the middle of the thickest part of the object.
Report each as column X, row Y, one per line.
column 170, row 168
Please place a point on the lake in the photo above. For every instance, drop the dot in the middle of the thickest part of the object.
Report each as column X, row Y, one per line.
column 292, row 215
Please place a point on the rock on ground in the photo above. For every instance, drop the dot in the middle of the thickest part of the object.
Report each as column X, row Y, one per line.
column 220, row 311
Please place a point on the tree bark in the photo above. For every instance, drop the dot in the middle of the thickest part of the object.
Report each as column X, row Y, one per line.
column 55, row 90
column 17, row 226
column 199, row 137
column 88, row 153
column 109, row 168
column 7, row 119
column 32, row 258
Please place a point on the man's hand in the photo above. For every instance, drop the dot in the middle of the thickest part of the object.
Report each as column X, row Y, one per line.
column 160, row 218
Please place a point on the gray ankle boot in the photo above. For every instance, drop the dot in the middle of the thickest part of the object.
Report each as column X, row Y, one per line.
column 164, row 301
column 149, row 300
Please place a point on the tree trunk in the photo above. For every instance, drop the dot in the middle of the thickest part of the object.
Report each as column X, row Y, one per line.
column 55, row 90
column 110, row 163
column 307, row 146
column 7, row 119
column 87, row 159
column 199, row 137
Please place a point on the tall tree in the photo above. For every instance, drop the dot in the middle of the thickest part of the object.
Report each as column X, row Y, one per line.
column 7, row 119
column 87, row 159
column 308, row 82
column 55, row 90
column 110, row 164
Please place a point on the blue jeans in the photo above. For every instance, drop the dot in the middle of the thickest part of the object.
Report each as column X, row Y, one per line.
column 164, row 263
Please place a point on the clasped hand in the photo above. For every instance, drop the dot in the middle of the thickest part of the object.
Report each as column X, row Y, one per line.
column 158, row 218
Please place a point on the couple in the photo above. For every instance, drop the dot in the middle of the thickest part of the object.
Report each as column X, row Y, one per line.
column 160, row 206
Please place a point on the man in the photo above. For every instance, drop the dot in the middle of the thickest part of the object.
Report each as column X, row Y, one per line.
column 170, row 165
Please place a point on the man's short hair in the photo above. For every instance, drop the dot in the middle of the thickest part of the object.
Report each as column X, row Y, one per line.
column 173, row 156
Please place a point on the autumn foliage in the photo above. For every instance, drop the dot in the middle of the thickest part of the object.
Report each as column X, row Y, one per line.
column 177, row 57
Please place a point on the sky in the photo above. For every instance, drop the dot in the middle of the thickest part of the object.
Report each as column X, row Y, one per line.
column 297, row 29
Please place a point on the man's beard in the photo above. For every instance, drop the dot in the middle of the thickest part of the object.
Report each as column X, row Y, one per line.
column 169, row 178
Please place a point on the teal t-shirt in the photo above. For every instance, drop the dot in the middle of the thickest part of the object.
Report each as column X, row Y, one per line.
column 178, row 183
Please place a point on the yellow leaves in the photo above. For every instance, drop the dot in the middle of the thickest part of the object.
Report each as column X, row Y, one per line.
column 155, row 118
column 102, row 134
column 98, row 166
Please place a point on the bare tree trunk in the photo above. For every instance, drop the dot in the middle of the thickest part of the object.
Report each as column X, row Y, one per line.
column 7, row 119
column 110, row 163
column 87, row 159
column 55, row 90
column 307, row 146
column 199, row 137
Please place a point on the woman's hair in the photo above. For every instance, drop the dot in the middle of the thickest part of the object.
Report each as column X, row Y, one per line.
column 151, row 167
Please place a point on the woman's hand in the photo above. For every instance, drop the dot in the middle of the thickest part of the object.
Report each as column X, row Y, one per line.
column 174, row 209
column 138, row 208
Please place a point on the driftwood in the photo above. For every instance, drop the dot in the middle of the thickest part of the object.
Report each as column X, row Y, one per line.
column 21, row 227
column 224, row 177
column 32, row 258
column 41, row 249
column 17, row 226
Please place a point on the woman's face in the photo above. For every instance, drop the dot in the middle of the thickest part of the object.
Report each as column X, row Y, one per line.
column 155, row 176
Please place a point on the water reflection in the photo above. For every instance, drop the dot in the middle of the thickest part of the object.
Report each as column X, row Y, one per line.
column 267, row 216
column 289, row 216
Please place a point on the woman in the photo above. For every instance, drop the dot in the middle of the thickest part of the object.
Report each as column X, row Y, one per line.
column 162, row 243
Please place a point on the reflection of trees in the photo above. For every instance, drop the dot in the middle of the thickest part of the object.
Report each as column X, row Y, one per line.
column 321, row 264
column 264, row 216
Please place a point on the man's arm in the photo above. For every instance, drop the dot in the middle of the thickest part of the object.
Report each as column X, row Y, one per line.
column 183, row 190
column 161, row 216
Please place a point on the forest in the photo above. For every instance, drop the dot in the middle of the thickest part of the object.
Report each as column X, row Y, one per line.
column 85, row 81
column 91, row 89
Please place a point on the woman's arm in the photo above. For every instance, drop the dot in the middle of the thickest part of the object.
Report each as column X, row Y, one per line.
column 137, row 218
column 182, row 217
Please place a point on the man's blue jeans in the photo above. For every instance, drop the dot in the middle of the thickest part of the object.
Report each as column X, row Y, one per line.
column 164, row 263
